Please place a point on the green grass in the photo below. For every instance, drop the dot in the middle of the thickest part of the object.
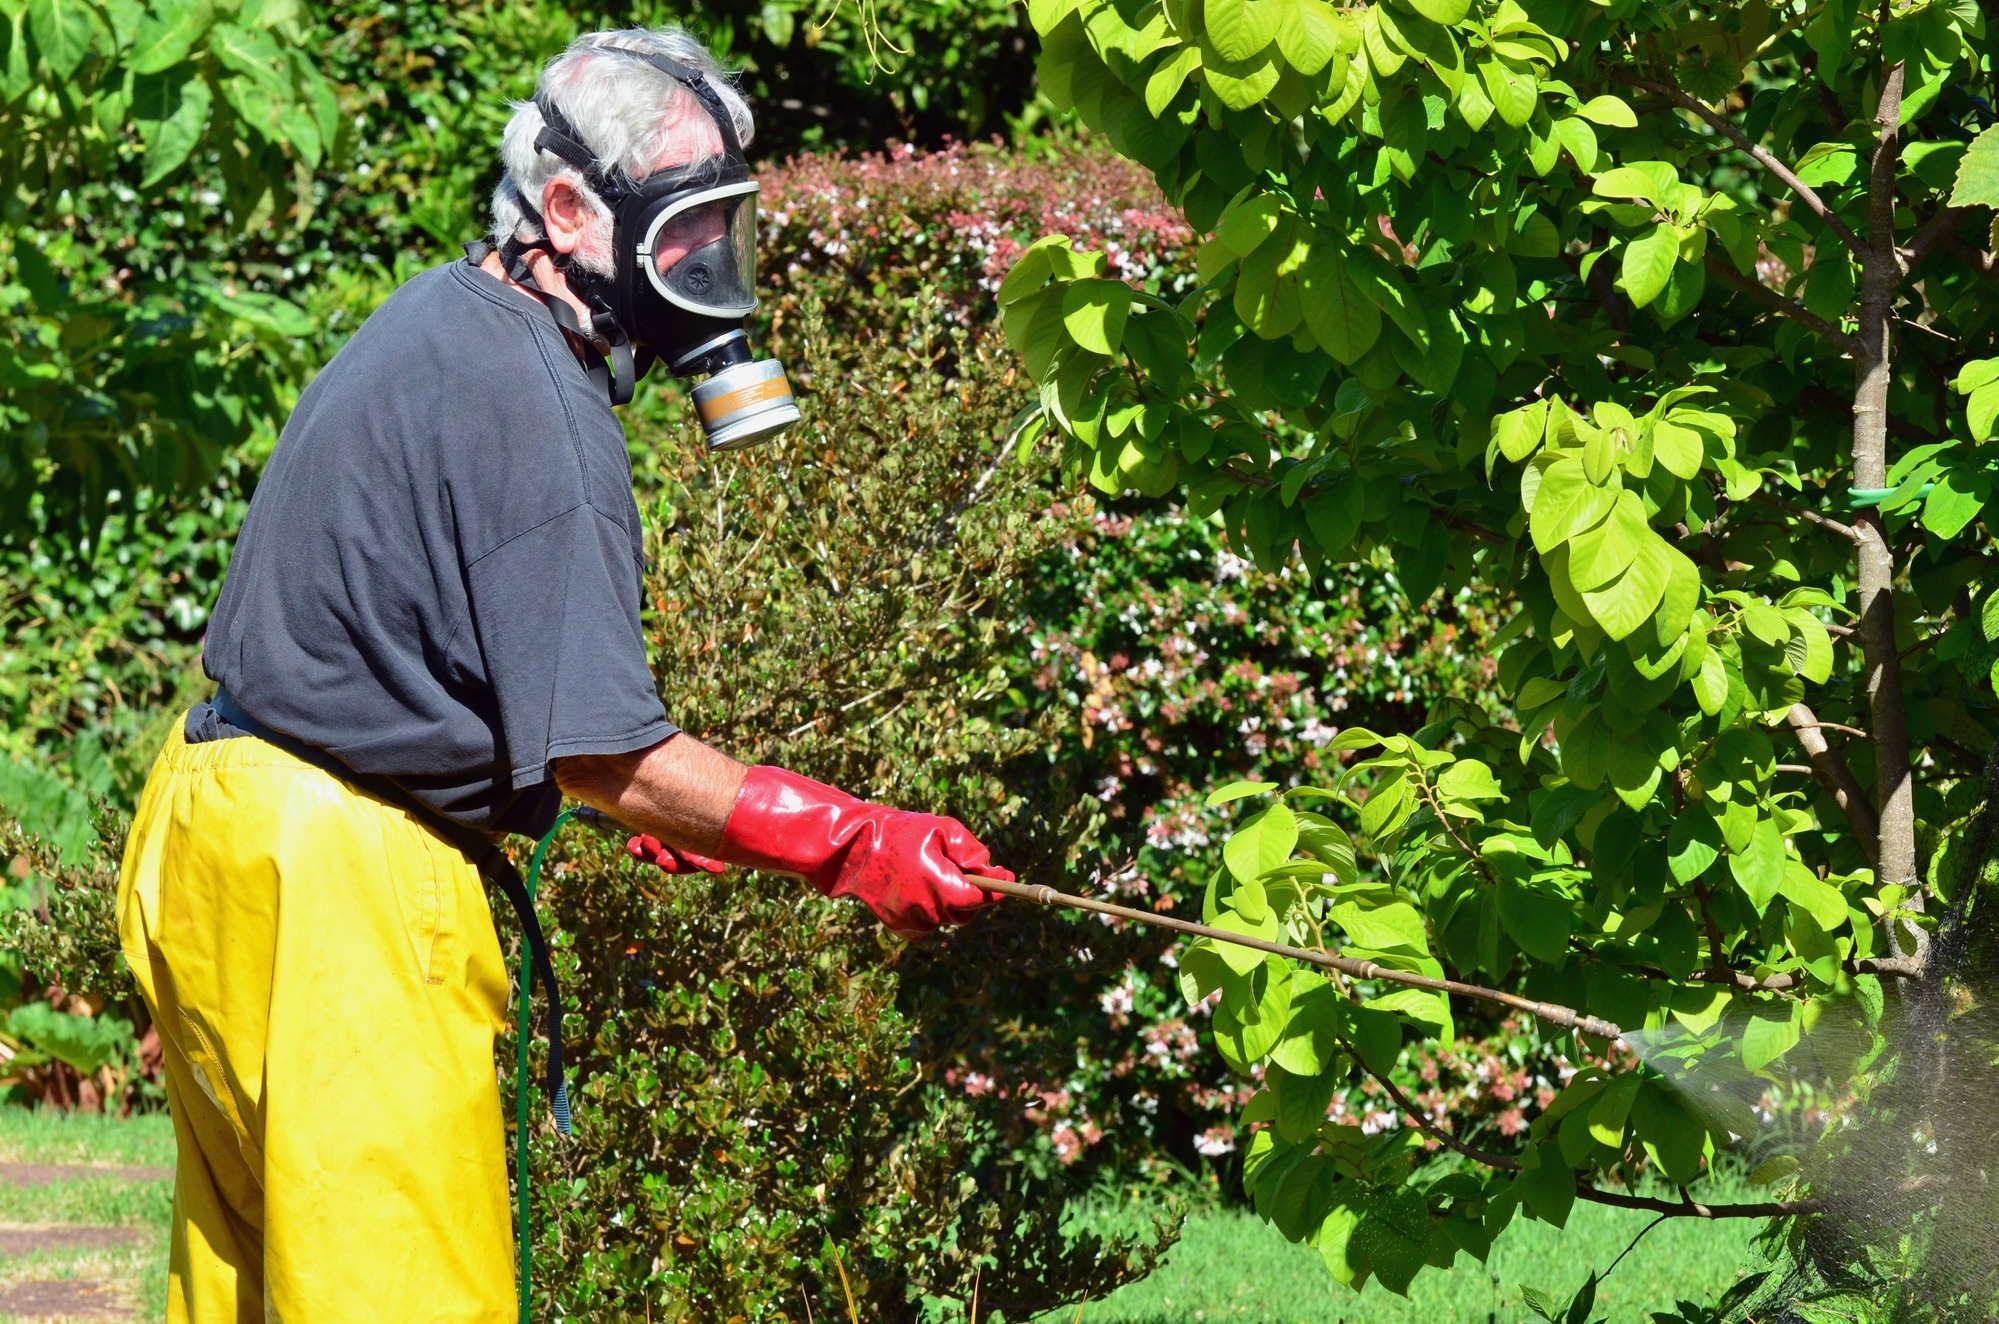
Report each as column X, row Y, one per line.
column 36, row 1135
column 1230, row 1265
column 32, row 1136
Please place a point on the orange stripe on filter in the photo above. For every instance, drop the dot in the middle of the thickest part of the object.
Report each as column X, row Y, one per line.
column 721, row 406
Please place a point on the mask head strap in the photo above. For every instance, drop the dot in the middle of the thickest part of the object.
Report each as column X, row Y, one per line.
column 560, row 137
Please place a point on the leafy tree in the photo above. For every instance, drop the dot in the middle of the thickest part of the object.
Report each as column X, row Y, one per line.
column 1673, row 325
column 205, row 196
column 126, row 362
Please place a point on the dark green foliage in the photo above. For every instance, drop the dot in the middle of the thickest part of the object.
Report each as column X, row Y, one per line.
column 836, row 604
column 1668, row 329
column 205, row 198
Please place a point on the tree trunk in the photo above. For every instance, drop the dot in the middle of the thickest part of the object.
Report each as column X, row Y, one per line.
column 1880, row 275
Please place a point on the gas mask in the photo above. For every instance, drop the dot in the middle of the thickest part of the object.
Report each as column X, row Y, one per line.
column 684, row 241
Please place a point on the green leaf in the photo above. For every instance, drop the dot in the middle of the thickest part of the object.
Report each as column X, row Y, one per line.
column 1978, row 174
column 1982, row 409
column 1387, row 807
column 1245, row 960
column 1692, row 844
column 1308, row 34
column 1302, row 1100
column 1514, row 93
column 1679, row 450
column 1263, row 843
column 1468, row 779
column 1342, row 319
column 1167, row 80
column 1599, row 555
column 1377, row 1037
column 171, row 127
column 1444, row 12
column 1648, row 263
column 1609, row 111
column 259, row 105
column 1332, row 1242
column 62, row 30
column 1759, row 870
column 167, row 33
column 1771, row 1033
column 1240, row 29
column 1671, row 1131
column 1820, row 899
column 1240, row 86
column 1248, row 1027
column 1540, row 922
column 1237, row 790
column 1031, row 270
column 278, row 316
column 1311, row 1039
column 1381, row 928
column 1565, row 502
column 1394, row 1233
column 1333, row 514
column 1094, row 312
column 1579, row 140
column 1245, row 226
column 1549, row 1188
column 1621, row 607
column 1611, row 1110
column 1518, row 432
column 1711, row 682
column 1626, row 182
column 1954, row 502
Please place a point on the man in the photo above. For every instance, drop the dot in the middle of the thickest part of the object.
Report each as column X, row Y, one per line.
column 430, row 624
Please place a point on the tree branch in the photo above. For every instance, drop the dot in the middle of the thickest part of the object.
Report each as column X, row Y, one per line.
column 1981, row 262
column 1723, row 269
column 1888, row 967
column 1423, row 1124
column 1840, row 727
column 1826, row 522
column 1723, row 125
column 1263, row 483
column 1837, row 778
column 1694, row 1209
column 1585, row 1191
column 1880, row 274
column 1717, row 950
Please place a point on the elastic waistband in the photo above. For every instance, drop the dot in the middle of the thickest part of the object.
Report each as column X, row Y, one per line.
column 209, row 755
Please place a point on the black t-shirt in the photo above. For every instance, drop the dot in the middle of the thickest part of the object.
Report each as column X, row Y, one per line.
column 439, row 577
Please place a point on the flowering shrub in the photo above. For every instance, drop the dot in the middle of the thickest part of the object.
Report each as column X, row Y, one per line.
column 1164, row 665
column 878, row 233
column 1161, row 663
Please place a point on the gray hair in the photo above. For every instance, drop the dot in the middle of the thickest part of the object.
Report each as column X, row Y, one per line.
column 624, row 111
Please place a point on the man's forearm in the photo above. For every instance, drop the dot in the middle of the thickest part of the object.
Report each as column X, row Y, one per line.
column 679, row 790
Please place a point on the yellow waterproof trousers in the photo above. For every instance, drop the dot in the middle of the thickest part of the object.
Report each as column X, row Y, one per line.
column 327, row 985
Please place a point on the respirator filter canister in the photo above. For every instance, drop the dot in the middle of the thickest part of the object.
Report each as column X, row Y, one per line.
column 745, row 403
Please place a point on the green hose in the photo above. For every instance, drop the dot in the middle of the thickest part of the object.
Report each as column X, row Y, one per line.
column 521, row 1086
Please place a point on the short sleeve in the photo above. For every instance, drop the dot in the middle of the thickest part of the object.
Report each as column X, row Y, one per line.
column 556, row 614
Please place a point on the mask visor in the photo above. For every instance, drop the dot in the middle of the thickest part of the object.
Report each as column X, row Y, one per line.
column 699, row 251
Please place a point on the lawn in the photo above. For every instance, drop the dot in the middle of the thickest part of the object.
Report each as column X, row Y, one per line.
column 1228, row 1266
column 132, row 1255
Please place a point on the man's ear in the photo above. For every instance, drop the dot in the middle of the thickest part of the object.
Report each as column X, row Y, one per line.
column 567, row 213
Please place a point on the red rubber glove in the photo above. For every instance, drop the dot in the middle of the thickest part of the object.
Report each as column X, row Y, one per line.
column 914, row 871
column 670, row 859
